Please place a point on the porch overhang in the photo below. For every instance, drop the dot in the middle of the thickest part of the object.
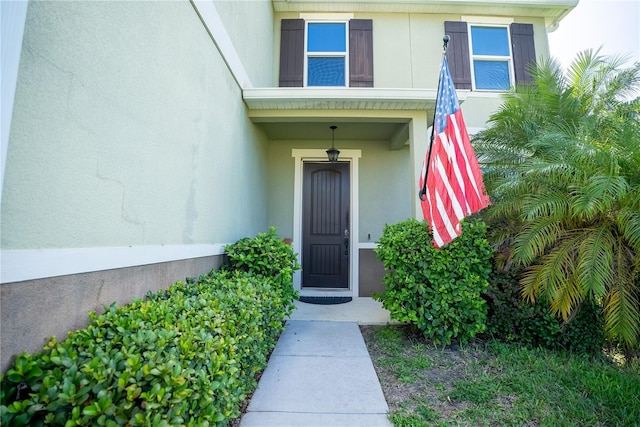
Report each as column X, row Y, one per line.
column 366, row 99
column 361, row 113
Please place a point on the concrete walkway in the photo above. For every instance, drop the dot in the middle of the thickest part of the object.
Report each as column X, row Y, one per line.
column 320, row 373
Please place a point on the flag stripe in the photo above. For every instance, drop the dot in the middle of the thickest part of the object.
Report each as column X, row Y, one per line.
column 454, row 179
column 474, row 175
column 452, row 155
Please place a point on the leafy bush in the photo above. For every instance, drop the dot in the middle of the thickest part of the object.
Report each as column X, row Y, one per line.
column 561, row 160
column 184, row 356
column 269, row 256
column 437, row 290
column 511, row 318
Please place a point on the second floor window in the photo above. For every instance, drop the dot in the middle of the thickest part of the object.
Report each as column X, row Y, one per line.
column 326, row 54
column 491, row 58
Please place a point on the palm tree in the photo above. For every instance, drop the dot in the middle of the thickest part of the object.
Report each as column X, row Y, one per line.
column 562, row 165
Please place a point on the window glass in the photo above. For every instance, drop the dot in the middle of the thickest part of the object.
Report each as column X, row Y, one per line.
column 491, row 75
column 491, row 57
column 325, row 71
column 490, row 41
column 326, row 53
column 327, row 37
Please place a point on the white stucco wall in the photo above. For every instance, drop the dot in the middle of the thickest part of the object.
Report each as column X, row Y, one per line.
column 12, row 18
column 249, row 24
column 128, row 129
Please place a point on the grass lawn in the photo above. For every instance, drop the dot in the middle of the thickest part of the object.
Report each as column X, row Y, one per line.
column 488, row 383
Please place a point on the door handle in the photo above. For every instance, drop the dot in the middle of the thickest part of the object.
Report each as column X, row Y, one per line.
column 346, row 241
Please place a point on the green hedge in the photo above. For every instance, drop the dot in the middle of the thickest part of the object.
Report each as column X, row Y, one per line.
column 185, row 356
column 513, row 319
column 437, row 290
column 266, row 255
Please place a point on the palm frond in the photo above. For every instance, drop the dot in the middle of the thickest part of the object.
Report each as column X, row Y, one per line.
column 628, row 221
column 551, row 203
column 595, row 262
column 622, row 313
column 598, row 195
column 558, row 270
column 538, row 235
column 533, row 283
column 552, row 279
column 568, row 297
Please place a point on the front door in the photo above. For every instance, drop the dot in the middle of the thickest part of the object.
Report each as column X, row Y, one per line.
column 325, row 225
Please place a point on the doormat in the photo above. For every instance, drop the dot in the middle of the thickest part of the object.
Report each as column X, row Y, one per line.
column 325, row 300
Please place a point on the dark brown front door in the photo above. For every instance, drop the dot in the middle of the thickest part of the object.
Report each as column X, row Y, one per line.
column 325, row 225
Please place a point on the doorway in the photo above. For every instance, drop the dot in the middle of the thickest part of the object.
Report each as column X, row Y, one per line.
column 326, row 234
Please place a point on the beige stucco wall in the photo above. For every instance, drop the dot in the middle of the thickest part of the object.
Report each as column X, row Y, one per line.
column 128, row 129
column 407, row 53
column 385, row 185
column 386, row 188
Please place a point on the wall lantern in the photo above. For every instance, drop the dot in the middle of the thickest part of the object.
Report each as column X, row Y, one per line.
column 332, row 153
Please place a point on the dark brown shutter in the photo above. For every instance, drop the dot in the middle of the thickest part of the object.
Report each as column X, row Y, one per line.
column 291, row 52
column 361, row 53
column 524, row 51
column 458, row 53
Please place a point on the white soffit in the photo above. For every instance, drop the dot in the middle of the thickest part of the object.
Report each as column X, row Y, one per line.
column 341, row 98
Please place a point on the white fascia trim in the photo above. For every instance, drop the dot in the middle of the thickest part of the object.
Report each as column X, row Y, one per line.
column 30, row 264
column 377, row 94
column 293, row 98
column 326, row 16
column 486, row 94
column 13, row 16
column 210, row 17
column 367, row 245
column 309, row 155
column 493, row 20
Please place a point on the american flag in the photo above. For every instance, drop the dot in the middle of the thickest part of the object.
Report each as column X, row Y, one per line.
column 454, row 187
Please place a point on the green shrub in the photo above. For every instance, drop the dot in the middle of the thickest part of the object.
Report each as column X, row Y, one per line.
column 184, row 356
column 513, row 319
column 269, row 256
column 437, row 290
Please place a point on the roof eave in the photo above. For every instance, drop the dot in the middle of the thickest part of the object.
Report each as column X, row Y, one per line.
column 553, row 11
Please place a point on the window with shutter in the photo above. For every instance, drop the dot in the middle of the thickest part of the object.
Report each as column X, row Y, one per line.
column 489, row 57
column 326, row 53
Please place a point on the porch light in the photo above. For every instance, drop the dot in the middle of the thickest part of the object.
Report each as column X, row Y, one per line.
column 332, row 153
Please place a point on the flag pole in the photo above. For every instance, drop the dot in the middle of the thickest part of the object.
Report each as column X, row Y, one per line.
column 422, row 194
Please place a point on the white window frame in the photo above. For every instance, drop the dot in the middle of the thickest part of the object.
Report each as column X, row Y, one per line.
column 495, row 58
column 344, row 54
